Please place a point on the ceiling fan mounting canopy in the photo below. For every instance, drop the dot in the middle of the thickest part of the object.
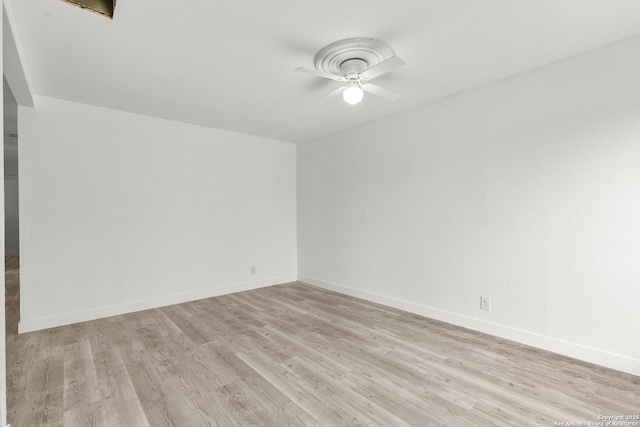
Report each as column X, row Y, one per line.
column 337, row 56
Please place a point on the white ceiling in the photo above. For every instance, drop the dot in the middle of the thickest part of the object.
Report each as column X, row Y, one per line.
column 230, row 64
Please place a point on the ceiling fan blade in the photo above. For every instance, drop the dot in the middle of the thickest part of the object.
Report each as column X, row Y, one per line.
column 383, row 67
column 381, row 92
column 332, row 93
column 321, row 74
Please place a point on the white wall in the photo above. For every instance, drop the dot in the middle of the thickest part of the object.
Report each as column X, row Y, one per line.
column 525, row 191
column 121, row 212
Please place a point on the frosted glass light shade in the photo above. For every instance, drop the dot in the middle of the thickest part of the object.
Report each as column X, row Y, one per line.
column 352, row 95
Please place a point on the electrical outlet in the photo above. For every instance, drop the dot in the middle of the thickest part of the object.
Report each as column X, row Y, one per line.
column 253, row 270
column 485, row 303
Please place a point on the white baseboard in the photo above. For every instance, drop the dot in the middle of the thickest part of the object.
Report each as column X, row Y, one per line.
column 577, row 351
column 30, row 325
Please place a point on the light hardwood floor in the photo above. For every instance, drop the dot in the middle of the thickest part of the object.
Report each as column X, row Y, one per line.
column 293, row 355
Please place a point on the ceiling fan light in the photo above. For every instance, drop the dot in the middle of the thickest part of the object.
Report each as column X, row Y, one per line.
column 352, row 94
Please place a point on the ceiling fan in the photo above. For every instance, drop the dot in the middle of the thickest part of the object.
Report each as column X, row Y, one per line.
column 354, row 62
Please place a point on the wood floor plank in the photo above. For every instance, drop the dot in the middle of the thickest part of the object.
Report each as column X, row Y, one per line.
column 147, row 382
column 298, row 391
column 291, row 415
column 292, row 355
column 122, row 394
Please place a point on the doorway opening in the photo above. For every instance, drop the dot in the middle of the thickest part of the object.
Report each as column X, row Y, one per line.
column 11, row 210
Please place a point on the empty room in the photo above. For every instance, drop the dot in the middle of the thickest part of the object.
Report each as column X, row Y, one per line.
column 321, row 213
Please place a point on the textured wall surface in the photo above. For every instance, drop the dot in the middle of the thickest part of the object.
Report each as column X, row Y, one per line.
column 120, row 212
column 524, row 190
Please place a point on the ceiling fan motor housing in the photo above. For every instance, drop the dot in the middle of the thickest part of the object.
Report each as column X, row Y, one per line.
column 352, row 56
column 353, row 67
